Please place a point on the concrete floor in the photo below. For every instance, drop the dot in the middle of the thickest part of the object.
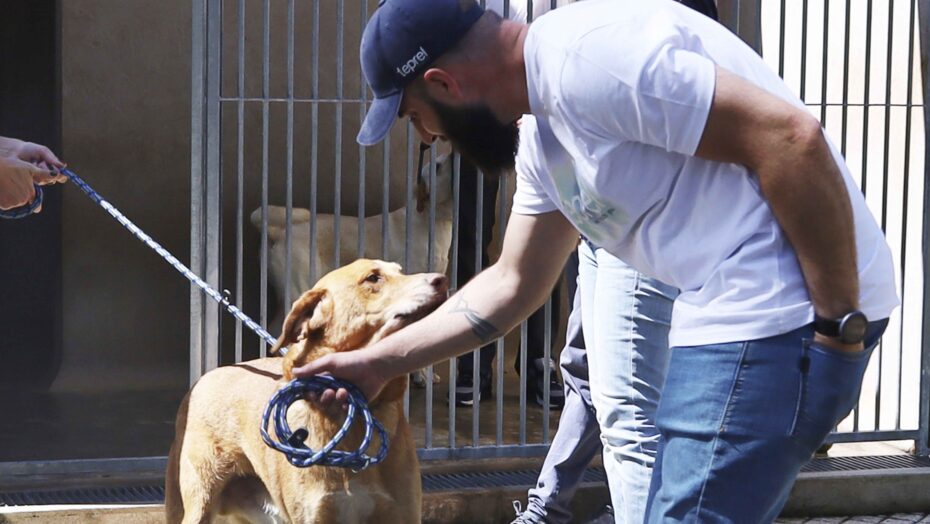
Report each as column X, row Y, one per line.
column 57, row 426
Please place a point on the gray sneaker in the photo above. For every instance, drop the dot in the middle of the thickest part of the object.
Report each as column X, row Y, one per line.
column 525, row 517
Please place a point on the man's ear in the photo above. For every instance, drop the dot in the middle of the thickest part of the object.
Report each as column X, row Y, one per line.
column 441, row 85
column 308, row 318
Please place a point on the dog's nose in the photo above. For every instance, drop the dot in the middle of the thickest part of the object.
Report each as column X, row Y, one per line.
column 438, row 281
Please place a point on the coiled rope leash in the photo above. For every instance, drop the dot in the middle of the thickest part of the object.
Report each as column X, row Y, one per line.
column 292, row 443
column 288, row 442
column 28, row 209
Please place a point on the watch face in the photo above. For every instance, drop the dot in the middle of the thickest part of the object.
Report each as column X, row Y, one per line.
column 853, row 328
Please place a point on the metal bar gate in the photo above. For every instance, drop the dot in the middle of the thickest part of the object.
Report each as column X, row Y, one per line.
column 277, row 96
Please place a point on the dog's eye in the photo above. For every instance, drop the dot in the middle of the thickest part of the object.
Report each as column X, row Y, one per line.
column 374, row 278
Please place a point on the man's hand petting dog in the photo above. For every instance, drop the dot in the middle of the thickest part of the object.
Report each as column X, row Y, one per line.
column 355, row 367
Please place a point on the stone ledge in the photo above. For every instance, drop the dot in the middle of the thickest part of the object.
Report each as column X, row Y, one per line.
column 822, row 494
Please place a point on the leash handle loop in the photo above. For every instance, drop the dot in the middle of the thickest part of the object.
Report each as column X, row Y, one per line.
column 25, row 210
column 291, row 443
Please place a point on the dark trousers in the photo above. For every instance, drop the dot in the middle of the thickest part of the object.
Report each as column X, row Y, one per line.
column 471, row 248
column 707, row 7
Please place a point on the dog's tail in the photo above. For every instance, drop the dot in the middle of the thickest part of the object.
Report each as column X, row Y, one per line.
column 277, row 217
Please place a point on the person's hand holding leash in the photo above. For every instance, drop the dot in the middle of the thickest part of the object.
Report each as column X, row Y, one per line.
column 358, row 367
column 23, row 165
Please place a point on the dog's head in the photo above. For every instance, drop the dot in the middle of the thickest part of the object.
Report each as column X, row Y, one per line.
column 356, row 305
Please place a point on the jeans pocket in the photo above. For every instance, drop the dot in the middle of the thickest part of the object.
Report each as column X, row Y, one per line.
column 830, row 385
column 764, row 396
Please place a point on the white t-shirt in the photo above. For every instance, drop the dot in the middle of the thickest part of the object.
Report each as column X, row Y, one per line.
column 621, row 90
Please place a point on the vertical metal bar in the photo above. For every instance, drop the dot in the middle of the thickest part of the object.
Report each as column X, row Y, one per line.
column 923, row 441
column 214, row 223
column 803, row 87
column 476, row 361
column 408, row 221
column 266, row 73
column 385, row 196
column 454, row 275
column 523, row 335
column 240, row 172
column 410, row 204
column 905, row 197
column 315, row 130
column 501, row 228
column 867, row 102
column 823, row 67
column 430, row 247
column 198, row 124
column 781, row 42
column 865, row 131
column 547, row 354
column 889, row 58
column 362, row 95
column 289, row 191
column 430, row 253
column 846, row 54
column 884, row 210
column 337, row 171
column 499, row 392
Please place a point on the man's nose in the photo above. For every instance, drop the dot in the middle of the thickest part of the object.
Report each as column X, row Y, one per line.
column 425, row 136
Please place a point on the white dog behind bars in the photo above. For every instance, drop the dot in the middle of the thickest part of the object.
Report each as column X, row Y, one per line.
column 324, row 257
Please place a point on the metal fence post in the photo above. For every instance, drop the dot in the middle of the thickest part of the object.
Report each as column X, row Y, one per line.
column 198, row 45
column 923, row 441
column 205, row 182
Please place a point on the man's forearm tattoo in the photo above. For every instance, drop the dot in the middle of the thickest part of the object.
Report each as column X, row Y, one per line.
column 484, row 330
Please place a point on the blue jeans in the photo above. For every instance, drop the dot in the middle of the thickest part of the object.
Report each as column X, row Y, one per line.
column 626, row 317
column 739, row 420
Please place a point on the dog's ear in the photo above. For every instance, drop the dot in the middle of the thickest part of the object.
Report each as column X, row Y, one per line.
column 308, row 318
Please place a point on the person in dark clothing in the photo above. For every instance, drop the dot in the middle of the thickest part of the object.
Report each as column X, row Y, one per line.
column 476, row 226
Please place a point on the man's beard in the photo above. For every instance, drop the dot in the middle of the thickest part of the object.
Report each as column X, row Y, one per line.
column 476, row 133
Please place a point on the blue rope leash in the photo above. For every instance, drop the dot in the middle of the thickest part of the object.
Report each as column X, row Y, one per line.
column 288, row 442
column 28, row 209
column 291, row 443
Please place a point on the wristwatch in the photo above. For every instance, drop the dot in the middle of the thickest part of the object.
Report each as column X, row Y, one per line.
column 848, row 329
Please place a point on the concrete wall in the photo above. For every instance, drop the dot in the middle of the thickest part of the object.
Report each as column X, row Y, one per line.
column 126, row 130
column 126, row 68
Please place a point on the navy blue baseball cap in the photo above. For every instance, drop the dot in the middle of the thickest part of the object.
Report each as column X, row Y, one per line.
column 400, row 41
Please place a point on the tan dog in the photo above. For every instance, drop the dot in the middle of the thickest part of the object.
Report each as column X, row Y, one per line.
column 323, row 258
column 219, row 465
